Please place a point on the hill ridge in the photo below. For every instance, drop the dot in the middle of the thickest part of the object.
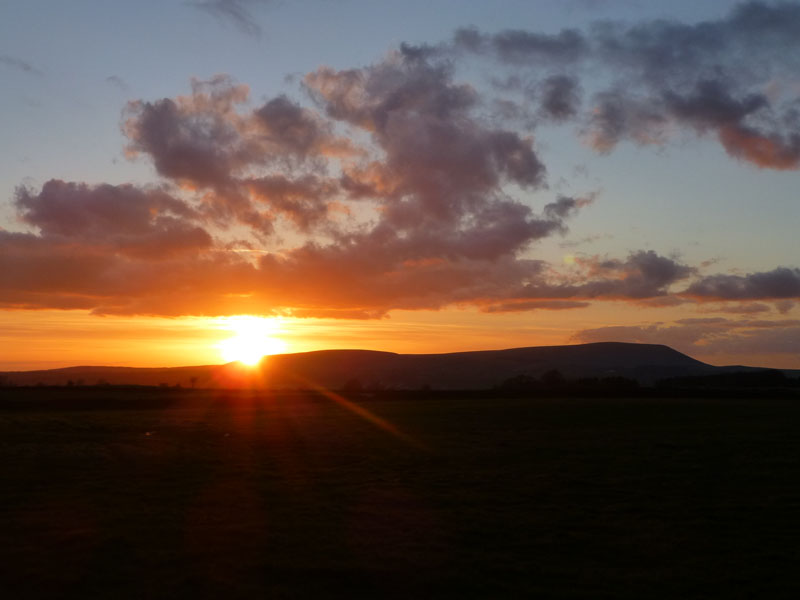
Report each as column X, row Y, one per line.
column 470, row 369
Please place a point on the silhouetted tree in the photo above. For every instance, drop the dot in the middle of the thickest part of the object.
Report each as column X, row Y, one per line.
column 618, row 382
column 520, row 383
column 553, row 377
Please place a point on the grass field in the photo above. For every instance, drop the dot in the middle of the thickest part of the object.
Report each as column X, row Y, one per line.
column 154, row 493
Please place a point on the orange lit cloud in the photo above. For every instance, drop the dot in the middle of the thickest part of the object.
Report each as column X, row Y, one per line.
column 399, row 186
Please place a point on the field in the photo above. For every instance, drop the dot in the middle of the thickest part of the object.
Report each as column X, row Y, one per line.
column 110, row 493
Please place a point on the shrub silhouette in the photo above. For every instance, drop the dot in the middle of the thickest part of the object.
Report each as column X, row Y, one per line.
column 553, row 377
column 520, row 383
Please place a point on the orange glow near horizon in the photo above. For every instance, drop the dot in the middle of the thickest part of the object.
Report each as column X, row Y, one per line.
column 48, row 339
column 253, row 338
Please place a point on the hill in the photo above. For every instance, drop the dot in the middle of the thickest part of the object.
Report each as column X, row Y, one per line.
column 646, row 363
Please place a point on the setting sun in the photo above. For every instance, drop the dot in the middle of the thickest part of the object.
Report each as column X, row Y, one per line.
column 252, row 339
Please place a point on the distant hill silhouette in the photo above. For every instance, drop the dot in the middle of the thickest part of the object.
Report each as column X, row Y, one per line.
column 335, row 369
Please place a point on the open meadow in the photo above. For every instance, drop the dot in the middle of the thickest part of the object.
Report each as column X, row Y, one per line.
column 135, row 493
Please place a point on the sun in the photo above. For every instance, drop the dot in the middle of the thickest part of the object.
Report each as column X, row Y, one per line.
column 252, row 338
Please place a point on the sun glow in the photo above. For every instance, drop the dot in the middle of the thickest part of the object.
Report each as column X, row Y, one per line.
column 252, row 339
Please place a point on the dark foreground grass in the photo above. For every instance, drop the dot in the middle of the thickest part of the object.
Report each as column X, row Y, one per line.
column 137, row 494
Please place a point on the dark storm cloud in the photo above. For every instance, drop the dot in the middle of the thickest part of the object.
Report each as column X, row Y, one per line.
column 780, row 283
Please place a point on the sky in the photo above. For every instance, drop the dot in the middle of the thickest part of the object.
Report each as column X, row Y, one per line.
column 413, row 177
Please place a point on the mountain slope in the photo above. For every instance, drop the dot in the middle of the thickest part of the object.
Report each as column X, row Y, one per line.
column 458, row 370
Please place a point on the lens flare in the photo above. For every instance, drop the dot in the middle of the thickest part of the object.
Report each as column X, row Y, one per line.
column 252, row 339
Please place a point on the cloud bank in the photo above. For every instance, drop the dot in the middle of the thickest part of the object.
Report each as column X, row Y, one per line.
column 403, row 185
column 714, row 78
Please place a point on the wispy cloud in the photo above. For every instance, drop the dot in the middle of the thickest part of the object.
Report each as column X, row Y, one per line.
column 118, row 83
column 234, row 12
column 18, row 64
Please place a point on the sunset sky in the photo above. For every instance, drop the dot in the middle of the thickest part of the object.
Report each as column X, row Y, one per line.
column 413, row 177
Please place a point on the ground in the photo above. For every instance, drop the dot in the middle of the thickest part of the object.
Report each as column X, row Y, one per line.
column 198, row 494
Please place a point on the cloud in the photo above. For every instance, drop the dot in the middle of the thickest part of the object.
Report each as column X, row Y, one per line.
column 709, row 337
column 417, row 214
column 231, row 11
column 118, row 83
column 710, row 77
column 643, row 275
column 617, row 116
column 196, row 138
column 18, row 64
column 212, row 140
column 585, row 240
column 291, row 127
column 523, row 47
column 780, row 283
column 302, row 200
column 526, row 305
column 398, row 185
column 121, row 219
column 40, row 272
column 560, row 98
column 747, row 308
